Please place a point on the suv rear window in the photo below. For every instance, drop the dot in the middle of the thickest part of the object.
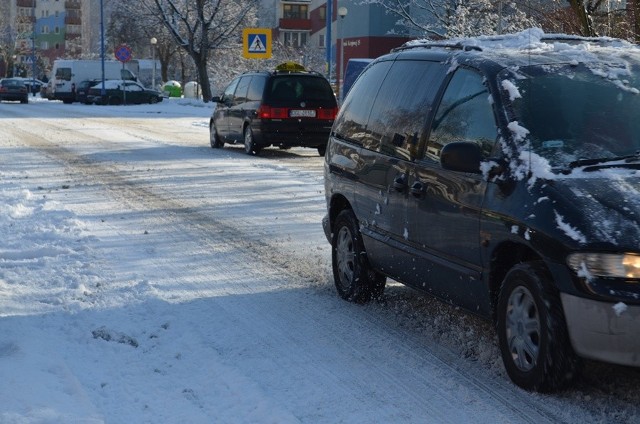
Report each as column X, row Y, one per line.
column 299, row 88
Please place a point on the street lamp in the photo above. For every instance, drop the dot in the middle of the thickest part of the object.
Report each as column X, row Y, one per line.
column 342, row 12
column 153, row 42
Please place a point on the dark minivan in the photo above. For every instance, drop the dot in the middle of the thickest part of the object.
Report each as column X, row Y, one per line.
column 500, row 174
column 287, row 107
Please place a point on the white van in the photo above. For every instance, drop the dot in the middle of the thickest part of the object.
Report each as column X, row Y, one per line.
column 66, row 75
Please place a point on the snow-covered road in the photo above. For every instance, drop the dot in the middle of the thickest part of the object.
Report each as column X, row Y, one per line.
column 145, row 277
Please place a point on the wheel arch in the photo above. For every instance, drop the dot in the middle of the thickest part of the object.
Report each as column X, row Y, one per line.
column 338, row 203
column 503, row 258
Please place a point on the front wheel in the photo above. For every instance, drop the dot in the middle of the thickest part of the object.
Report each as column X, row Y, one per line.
column 532, row 332
column 249, row 142
column 214, row 138
column 354, row 278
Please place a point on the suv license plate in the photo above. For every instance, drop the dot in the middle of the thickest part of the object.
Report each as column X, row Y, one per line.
column 306, row 113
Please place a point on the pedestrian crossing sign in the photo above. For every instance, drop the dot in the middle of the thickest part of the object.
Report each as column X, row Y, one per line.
column 256, row 43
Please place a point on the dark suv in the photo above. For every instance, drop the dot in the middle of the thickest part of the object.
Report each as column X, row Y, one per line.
column 501, row 175
column 287, row 107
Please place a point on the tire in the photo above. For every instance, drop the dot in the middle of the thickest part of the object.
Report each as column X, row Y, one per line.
column 214, row 138
column 532, row 332
column 354, row 278
column 249, row 142
column 322, row 150
column 153, row 100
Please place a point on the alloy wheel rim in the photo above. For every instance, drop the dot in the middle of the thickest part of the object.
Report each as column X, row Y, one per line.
column 523, row 329
column 345, row 255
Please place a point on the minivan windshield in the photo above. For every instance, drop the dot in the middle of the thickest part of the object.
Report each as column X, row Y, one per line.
column 577, row 114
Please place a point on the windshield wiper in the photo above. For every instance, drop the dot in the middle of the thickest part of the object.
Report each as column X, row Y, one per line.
column 601, row 161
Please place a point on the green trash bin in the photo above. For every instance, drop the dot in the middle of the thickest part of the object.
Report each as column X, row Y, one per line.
column 172, row 89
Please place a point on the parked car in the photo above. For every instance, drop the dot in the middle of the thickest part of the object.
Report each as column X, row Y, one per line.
column 33, row 84
column 286, row 107
column 82, row 91
column 501, row 175
column 351, row 72
column 13, row 89
column 45, row 91
column 119, row 92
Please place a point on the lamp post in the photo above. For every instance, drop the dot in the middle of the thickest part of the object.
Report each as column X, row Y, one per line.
column 342, row 12
column 153, row 42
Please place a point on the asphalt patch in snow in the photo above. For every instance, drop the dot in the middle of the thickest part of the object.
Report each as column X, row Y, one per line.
column 113, row 336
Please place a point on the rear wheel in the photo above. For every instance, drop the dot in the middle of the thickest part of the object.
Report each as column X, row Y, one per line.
column 249, row 142
column 532, row 332
column 354, row 278
column 214, row 138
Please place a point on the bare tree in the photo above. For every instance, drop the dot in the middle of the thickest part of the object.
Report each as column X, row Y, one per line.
column 452, row 18
column 202, row 26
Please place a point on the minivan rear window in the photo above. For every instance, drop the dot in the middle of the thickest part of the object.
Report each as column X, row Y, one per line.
column 299, row 88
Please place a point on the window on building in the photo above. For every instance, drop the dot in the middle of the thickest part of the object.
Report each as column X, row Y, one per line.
column 295, row 39
column 321, row 40
column 57, row 30
column 44, row 45
column 322, row 12
column 295, row 11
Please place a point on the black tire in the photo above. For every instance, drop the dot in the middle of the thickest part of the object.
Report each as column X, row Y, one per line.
column 532, row 332
column 153, row 100
column 250, row 147
column 322, row 150
column 354, row 278
column 214, row 139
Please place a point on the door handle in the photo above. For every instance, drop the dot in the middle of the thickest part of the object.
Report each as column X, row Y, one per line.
column 417, row 189
column 400, row 182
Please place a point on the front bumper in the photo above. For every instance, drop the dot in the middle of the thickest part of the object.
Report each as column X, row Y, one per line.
column 602, row 330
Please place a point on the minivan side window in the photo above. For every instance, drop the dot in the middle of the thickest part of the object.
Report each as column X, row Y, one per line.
column 240, row 96
column 256, row 88
column 398, row 119
column 352, row 119
column 227, row 97
column 465, row 114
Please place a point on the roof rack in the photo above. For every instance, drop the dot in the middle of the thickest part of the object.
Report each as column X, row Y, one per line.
column 430, row 45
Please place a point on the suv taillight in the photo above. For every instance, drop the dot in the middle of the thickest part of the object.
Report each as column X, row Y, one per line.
column 328, row 113
column 268, row 112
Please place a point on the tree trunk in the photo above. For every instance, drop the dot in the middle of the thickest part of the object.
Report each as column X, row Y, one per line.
column 203, row 76
column 586, row 25
column 634, row 5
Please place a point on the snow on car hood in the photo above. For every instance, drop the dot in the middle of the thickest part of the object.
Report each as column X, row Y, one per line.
column 597, row 208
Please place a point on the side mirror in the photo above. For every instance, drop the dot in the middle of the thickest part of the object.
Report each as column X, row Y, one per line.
column 215, row 99
column 461, row 156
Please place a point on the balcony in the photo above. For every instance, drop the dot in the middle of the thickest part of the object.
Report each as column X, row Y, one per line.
column 26, row 3
column 72, row 4
column 72, row 20
column 295, row 24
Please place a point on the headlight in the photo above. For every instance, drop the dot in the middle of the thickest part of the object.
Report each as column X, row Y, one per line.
column 613, row 265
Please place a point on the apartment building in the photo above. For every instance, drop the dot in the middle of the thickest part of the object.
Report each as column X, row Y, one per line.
column 366, row 31
column 44, row 30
